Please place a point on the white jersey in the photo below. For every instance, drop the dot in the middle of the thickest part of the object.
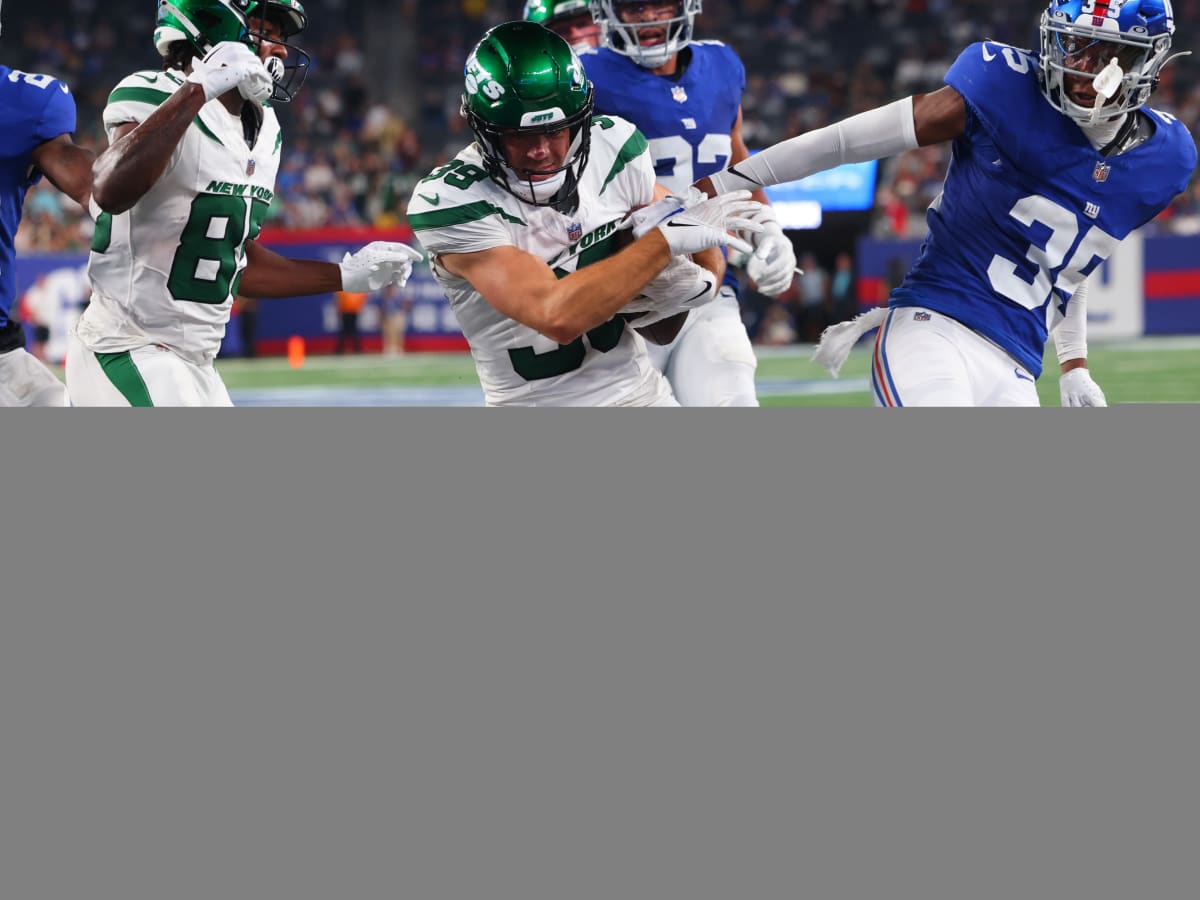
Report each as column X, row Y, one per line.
column 458, row 208
column 166, row 271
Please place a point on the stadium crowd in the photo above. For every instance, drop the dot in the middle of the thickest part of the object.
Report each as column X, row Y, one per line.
column 352, row 157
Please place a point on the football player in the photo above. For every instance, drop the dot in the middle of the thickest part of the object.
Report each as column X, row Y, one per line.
column 523, row 226
column 685, row 97
column 37, row 118
column 180, row 195
column 570, row 19
column 1056, row 158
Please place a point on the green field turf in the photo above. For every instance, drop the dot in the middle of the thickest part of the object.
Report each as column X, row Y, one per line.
column 1150, row 370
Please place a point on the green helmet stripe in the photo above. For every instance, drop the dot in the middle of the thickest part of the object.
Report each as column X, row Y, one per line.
column 459, row 215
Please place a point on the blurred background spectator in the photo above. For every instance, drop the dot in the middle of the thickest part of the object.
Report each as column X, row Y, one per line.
column 349, row 307
column 380, row 106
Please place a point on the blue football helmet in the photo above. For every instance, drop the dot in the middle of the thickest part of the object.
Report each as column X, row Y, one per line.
column 1080, row 37
column 629, row 38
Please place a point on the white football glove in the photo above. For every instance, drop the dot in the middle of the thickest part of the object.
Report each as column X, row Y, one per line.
column 680, row 286
column 642, row 220
column 377, row 265
column 1076, row 388
column 259, row 86
column 772, row 265
column 691, row 229
column 226, row 66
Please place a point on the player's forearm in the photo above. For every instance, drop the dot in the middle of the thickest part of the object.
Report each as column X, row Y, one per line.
column 132, row 165
column 268, row 274
column 68, row 167
column 875, row 134
column 594, row 294
column 1070, row 335
column 713, row 260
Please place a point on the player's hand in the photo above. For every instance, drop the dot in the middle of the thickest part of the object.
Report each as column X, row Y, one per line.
column 680, row 286
column 259, row 86
column 377, row 265
column 1076, row 388
column 226, row 66
column 710, row 223
column 642, row 220
column 772, row 265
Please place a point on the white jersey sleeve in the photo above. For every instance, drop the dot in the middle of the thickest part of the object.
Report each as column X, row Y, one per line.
column 135, row 97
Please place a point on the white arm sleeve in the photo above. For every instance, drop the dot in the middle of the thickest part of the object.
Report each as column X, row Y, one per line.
column 874, row 134
column 1070, row 335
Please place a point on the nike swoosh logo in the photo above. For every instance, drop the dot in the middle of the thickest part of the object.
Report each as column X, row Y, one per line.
column 65, row 89
column 735, row 171
column 432, row 201
column 149, row 78
column 988, row 57
column 1021, row 375
column 674, row 224
column 708, row 286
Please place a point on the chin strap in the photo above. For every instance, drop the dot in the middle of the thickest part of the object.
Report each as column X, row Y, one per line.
column 1127, row 130
column 566, row 201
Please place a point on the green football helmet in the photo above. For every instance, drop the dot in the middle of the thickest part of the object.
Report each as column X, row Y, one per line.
column 522, row 78
column 572, row 19
column 202, row 24
column 546, row 11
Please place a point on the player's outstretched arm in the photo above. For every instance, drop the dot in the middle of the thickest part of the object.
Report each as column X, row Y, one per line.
column 370, row 268
column 267, row 274
column 878, row 133
column 68, row 167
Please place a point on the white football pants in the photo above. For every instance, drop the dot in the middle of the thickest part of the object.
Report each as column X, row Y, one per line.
column 711, row 362
column 923, row 358
column 146, row 376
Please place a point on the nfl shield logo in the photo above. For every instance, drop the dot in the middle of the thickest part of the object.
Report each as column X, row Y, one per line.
column 1100, row 173
column 249, row 167
column 574, row 231
column 679, row 94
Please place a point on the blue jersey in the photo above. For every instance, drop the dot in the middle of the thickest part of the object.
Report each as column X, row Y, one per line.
column 1029, row 208
column 33, row 109
column 688, row 121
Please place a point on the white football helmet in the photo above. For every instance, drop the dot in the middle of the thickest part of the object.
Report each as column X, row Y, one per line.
column 649, row 44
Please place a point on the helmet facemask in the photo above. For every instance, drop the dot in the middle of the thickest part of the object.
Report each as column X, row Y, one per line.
column 1075, row 49
column 625, row 38
column 289, row 18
